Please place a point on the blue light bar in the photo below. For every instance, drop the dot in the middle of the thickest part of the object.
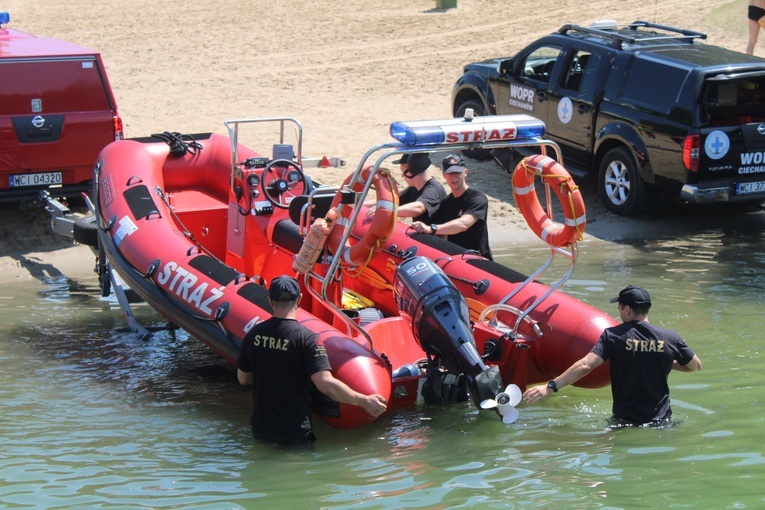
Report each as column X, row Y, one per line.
column 5, row 18
column 494, row 128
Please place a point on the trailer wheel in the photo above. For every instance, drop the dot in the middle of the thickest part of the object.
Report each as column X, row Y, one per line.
column 85, row 230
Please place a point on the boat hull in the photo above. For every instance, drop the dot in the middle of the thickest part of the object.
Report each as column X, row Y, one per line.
column 193, row 289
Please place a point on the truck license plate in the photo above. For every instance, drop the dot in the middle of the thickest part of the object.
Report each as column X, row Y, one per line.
column 41, row 179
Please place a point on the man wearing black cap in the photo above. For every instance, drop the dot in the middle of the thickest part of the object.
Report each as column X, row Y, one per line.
column 642, row 356
column 462, row 215
column 423, row 194
column 281, row 358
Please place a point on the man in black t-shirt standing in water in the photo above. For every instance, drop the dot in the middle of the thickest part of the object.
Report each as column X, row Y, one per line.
column 642, row 356
column 462, row 217
column 281, row 358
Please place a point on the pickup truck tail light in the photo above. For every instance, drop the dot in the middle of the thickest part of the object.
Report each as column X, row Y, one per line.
column 119, row 134
column 691, row 151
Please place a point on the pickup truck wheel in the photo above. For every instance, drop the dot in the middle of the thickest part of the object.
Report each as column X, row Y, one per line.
column 85, row 231
column 619, row 184
column 477, row 106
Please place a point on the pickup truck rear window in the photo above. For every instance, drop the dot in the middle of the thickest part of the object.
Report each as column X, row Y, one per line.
column 62, row 85
column 733, row 100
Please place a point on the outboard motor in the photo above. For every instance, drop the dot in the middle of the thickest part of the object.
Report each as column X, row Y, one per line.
column 441, row 324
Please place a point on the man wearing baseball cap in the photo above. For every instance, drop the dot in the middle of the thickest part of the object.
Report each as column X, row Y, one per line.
column 423, row 194
column 281, row 359
column 641, row 355
column 462, row 215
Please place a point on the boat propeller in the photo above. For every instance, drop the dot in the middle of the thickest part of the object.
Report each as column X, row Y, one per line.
column 505, row 403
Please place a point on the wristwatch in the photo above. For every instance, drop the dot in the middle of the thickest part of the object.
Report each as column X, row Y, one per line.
column 553, row 386
column 434, row 228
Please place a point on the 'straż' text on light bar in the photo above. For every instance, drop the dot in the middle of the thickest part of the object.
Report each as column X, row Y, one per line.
column 496, row 128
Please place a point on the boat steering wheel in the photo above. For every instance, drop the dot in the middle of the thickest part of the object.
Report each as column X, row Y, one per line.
column 282, row 181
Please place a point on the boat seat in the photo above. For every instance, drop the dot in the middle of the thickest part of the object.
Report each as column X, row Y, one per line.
column 287, row 235
column 287, row 232
column 321, row 203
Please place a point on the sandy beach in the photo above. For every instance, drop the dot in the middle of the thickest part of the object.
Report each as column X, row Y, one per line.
column 346, row 70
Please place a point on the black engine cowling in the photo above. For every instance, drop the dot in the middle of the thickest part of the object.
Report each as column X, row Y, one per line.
column 441, row 324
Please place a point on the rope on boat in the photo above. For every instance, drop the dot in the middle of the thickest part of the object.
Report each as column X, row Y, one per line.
column 180, row 145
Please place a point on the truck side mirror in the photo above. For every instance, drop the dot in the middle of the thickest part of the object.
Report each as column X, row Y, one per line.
column 506, row 67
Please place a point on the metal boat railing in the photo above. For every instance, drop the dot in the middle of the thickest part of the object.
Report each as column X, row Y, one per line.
column 233, row 135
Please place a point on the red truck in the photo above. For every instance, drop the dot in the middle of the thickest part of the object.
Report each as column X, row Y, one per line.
column 57, row 111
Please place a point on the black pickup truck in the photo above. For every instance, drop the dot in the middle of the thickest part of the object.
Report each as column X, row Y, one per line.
column 654, row 111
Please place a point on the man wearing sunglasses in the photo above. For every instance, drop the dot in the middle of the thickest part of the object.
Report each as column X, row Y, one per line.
column 462, row 215
column 423, row 194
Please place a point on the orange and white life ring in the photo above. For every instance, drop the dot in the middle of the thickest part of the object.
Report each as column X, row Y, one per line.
column 381, row 226
column 565, row 189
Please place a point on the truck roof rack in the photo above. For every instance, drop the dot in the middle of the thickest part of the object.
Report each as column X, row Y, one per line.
column 616, row 37
column 619, row 38
column 691, row 34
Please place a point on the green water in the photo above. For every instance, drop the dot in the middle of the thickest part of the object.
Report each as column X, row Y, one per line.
column 91, row 417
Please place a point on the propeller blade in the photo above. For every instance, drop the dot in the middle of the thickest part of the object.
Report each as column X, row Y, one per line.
column 515, row 394
column 488, row 404
column 510, row 416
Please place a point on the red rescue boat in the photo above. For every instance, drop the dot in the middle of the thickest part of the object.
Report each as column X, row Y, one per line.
column 199, row 225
